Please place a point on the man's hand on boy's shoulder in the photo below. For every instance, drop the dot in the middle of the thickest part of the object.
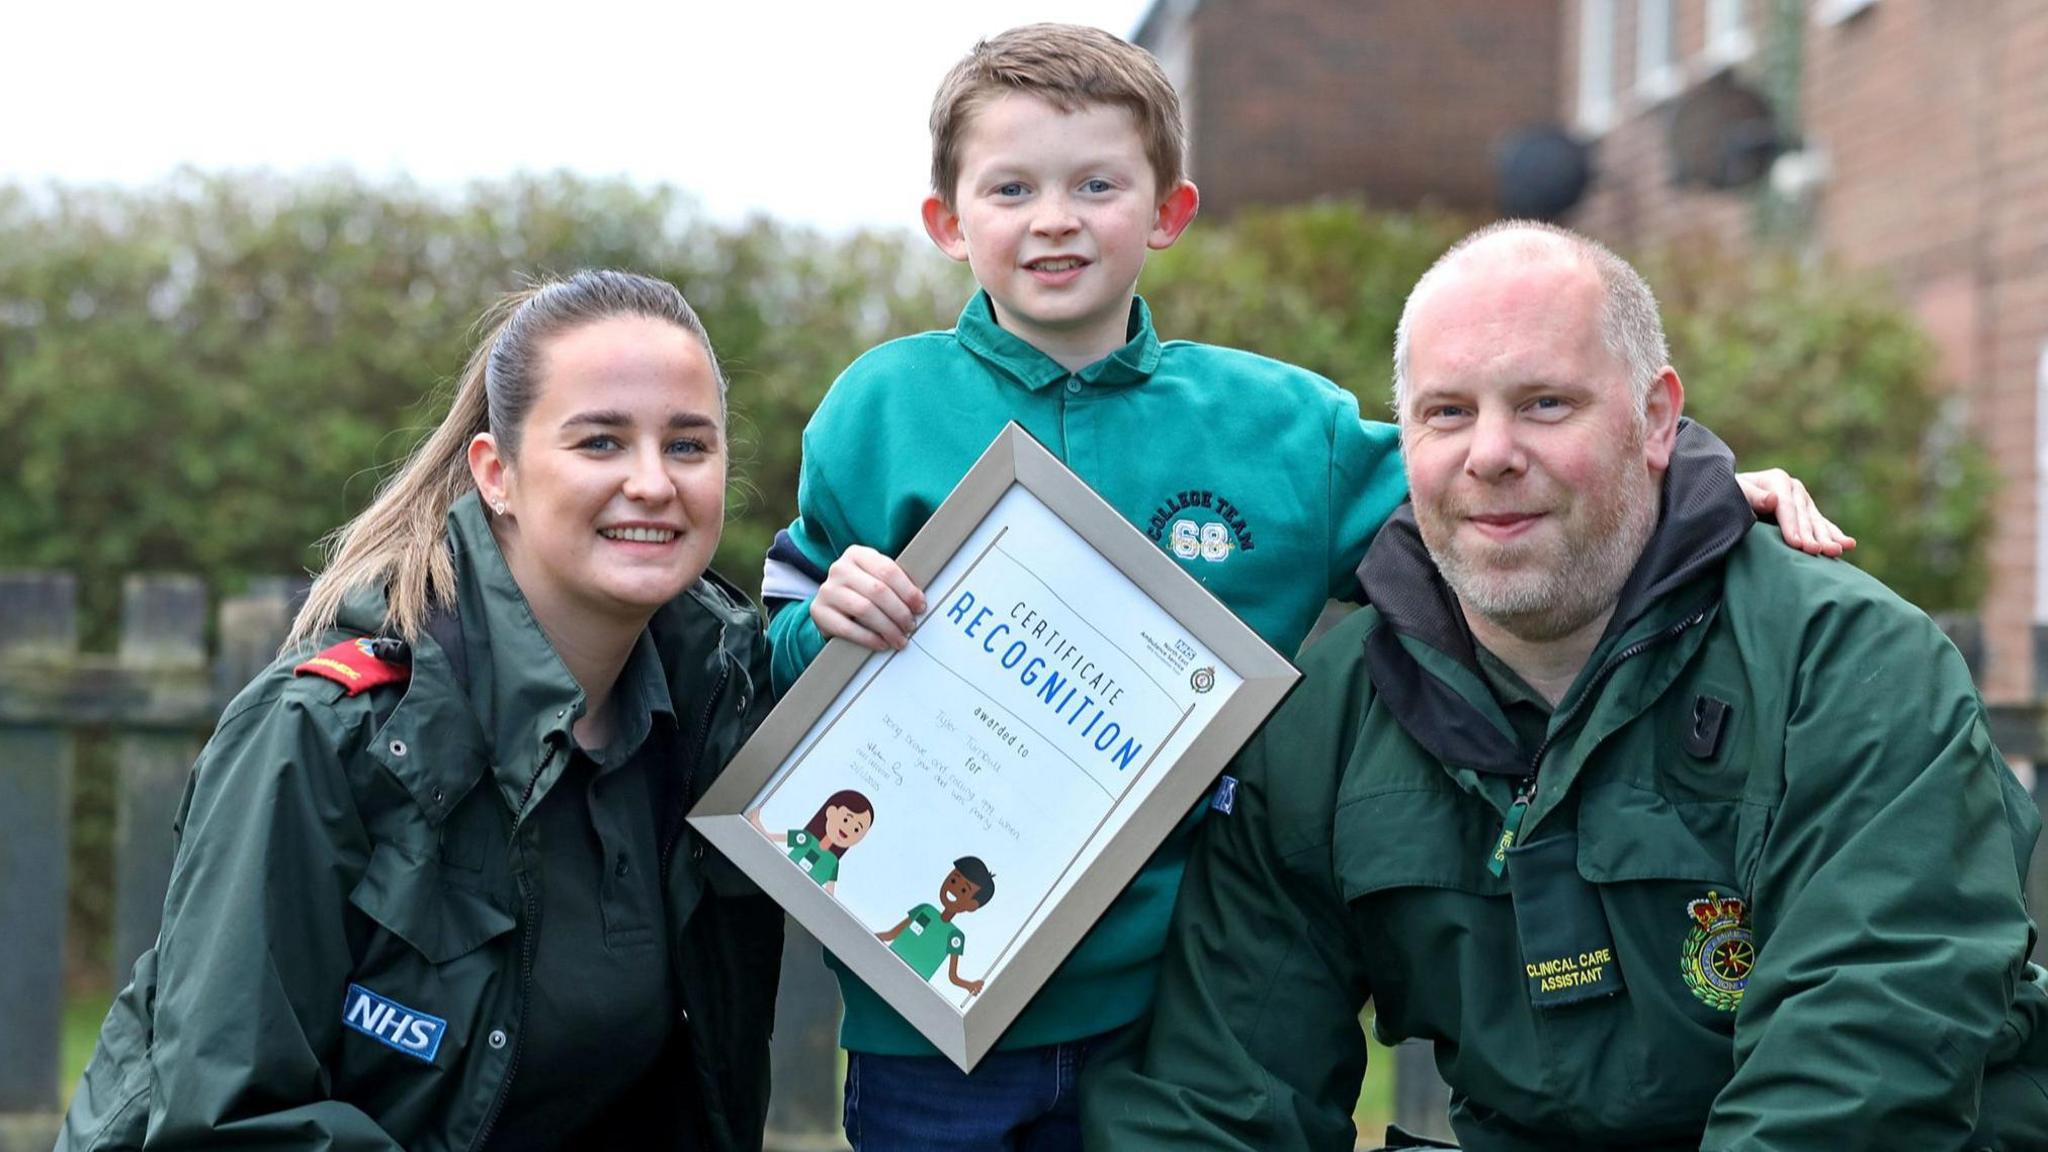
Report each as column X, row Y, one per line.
column 867, row 599
column 1779, row 494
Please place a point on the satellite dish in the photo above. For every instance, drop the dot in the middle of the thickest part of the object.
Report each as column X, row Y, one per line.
column 1723, row 135
column 1542, row 172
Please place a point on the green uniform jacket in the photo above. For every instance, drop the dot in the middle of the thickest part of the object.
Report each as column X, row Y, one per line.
column 1849, row 797
column 327, row 840
column 1258, row 478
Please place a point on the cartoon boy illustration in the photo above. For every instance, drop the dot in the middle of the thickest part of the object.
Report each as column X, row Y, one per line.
column 841, row 821
column 928, row 933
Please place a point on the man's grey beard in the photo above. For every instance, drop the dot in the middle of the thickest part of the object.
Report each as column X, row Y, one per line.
column 1539, row 606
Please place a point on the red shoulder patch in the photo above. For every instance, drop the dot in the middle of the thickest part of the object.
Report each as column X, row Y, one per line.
column 351, row 665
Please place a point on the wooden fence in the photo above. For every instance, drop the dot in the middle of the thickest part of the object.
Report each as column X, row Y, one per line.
column 159, row 694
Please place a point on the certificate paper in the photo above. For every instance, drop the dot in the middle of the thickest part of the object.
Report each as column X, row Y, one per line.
column 949, row 819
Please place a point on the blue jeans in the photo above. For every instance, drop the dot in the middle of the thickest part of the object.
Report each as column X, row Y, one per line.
column 1022, row 1100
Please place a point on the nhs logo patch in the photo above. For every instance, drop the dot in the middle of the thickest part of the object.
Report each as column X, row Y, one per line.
column 1225, row 799
column 393, row 1024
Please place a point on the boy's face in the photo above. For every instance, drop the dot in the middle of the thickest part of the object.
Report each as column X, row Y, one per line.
column 958, row 893
column 1054, row 211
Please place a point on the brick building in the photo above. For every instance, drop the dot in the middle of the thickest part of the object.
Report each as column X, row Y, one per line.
column 1924, row 158
column 1403, row 101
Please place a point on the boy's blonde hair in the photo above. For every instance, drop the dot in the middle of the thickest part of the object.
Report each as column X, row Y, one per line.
column 1070, row 66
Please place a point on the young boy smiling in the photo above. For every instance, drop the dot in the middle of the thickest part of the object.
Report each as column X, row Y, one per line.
column 1056, row 166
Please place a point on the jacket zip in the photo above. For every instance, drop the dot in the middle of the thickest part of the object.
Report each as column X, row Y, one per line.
column 1525, row 788
column 674, row 834
column 528, row 929
column 533, row 782
column 533, row 906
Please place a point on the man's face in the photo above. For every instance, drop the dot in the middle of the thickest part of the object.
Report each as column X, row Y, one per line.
column 1534, row 478
column 958, row 893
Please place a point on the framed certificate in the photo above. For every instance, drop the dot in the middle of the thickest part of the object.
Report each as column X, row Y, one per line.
column 950, row 819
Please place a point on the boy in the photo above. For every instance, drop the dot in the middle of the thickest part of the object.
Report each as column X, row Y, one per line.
column 1056, row 165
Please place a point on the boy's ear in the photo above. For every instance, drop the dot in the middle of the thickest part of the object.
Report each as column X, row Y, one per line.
column 942, row 224
column 1176, row 212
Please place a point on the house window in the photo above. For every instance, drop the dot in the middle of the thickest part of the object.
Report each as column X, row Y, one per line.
column 1728, row 36
column 1656, row 50
column 1596, row 65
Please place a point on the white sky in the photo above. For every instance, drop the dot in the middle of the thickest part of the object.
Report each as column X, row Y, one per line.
column 808, row 110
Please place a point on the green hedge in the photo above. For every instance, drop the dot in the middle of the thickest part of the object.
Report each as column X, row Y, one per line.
column 1805, row 368
column 209, row 375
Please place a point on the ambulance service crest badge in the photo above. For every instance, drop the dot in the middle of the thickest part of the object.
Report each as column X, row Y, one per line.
column 1719, row 952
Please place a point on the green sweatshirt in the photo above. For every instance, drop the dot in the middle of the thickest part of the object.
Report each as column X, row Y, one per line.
column 1257, row 477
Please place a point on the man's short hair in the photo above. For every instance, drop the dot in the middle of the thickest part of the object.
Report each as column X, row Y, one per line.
column 978, row 875
column 1630, row 325
column 1069, row 66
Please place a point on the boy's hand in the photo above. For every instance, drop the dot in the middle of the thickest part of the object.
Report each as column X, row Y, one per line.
column 1799, row 519
column 867, row 599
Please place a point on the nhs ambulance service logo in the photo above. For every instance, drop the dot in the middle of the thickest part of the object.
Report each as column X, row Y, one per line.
column 393, row 1024
column 1719, row 952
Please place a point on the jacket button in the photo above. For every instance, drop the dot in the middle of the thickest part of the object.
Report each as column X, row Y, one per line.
column 438, row 794
column 743, row 702
column 398, row 747
column 621, row 869
column 497, row 1038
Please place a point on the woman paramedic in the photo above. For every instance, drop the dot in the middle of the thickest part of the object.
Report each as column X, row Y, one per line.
column 433, row 887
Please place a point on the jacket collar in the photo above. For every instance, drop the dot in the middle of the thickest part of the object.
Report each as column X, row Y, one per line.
column 1423, row 663
column 519, row 698
column 520, row 690
column 1011, row 356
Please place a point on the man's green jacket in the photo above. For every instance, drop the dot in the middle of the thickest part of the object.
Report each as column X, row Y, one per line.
column 330, row 840
column 1765, row 891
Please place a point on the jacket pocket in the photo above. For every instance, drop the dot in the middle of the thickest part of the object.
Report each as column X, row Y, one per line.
column 411, row 899
column 1676, row 904
column 1629, row 833
column 1422, row 838
column 1435, row 927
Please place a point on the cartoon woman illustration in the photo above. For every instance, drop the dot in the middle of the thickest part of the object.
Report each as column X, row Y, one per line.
column 842, row 820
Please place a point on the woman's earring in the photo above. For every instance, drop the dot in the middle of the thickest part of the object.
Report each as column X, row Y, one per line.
column 498, row 507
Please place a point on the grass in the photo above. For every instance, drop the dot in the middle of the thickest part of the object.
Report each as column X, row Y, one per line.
column 1376, row 1101
column 83, row 1014
column 82, row 1017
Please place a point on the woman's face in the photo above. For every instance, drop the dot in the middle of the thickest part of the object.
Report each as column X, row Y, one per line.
column 844, row 826
column 614, row 503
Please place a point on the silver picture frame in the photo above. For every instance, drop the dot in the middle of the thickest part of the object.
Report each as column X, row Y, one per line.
column 813, row 703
